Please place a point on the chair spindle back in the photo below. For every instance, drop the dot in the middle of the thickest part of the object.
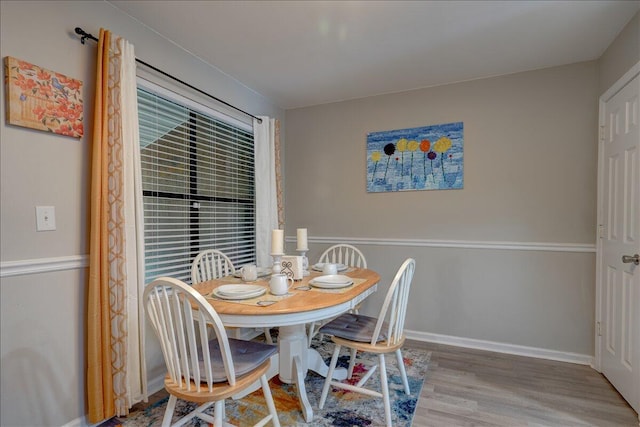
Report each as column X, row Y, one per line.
column 210, row 264
column 344, row 254
column 180, row 316
column 394, row 309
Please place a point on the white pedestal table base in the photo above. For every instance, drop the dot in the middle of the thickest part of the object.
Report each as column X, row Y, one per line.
column 296, row 358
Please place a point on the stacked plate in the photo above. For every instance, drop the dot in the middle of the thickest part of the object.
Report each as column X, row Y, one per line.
column 320, row 265
column 331, row 281
column 236, row 292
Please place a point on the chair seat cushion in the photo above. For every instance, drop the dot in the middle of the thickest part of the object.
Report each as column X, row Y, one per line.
column 354, row 327
column 247, row 355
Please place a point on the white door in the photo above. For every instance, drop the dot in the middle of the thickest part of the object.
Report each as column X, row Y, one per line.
column 619, row 243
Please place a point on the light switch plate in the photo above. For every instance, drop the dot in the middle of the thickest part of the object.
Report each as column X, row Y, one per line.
column 45, row 218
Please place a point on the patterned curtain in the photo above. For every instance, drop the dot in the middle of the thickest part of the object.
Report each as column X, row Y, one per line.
column 278, row 166
column 269, row 213
column 116, row 372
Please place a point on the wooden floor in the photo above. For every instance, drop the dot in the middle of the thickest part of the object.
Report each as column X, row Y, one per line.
column 466, row 387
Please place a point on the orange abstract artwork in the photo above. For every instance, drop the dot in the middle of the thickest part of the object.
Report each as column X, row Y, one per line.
column 42, row 99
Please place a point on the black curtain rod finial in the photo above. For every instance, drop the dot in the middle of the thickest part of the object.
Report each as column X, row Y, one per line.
column 84, row 35
column 81, row 33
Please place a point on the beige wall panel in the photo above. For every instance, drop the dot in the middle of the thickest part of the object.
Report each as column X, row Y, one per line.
column 42, row 346
column 621, row 55
column 529, row 159
column 523, row 298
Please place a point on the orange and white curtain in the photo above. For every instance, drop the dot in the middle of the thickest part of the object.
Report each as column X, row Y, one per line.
column 268, row 187
column 116, row 372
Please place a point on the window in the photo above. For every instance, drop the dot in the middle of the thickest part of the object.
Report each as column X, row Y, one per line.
column 198, row 183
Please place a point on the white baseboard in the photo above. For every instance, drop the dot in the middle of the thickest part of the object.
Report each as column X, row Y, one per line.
column 78, row 422
column 153, row 386
column 156, row 384
column 81, row 422
column 520, row 350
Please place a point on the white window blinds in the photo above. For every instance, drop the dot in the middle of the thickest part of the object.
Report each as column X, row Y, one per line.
column 198, row 184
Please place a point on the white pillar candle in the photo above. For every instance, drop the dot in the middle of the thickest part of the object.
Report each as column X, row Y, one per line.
column 302, row 239
column 277, row 241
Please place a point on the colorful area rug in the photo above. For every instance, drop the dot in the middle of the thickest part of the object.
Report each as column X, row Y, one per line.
column 342, row 408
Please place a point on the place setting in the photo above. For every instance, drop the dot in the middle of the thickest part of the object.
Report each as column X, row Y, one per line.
column 239, row 291
column 276, row 289
column 327, row 268
column 331, row 281
column 251, row 273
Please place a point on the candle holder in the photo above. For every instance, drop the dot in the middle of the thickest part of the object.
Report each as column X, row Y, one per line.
column 277, row 263
column 305, row 261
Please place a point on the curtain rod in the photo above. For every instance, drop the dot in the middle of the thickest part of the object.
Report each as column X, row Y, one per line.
column 84, row 35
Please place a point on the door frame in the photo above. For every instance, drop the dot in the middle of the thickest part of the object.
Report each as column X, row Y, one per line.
column 604, row 98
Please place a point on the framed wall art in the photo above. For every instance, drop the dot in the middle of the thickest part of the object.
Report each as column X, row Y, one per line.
column 423, row 158
column 41, row 99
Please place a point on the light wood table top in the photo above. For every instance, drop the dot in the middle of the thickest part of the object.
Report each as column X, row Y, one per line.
column 309, row 305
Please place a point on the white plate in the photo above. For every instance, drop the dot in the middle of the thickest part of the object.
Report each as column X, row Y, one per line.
column 331, row 281
column 239, row 291
column 320, row 265
column 261, row 272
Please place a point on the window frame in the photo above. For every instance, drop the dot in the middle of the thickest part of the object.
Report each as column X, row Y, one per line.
column 243, row 253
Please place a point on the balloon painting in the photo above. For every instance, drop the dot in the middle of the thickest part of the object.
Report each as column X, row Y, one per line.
column 424, row 158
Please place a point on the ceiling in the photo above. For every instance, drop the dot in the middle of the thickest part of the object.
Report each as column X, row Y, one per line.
column 304, row 53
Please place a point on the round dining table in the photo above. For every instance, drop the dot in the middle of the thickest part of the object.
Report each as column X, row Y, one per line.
column 304, row 303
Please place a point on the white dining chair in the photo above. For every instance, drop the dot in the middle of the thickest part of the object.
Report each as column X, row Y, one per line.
column 213, row 264
column 210, row 264
column 344, row 254
column 202, row 370
column 339, row 254
column 380, row 335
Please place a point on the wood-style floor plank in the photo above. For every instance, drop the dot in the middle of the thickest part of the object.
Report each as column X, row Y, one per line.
column 468, row 387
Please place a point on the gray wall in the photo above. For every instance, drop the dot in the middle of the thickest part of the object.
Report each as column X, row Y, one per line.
column 529, row 150
column 529, row 177
column 42, row 315
column 622, row 54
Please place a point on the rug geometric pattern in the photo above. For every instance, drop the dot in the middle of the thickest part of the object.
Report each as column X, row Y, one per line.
column 342, row 408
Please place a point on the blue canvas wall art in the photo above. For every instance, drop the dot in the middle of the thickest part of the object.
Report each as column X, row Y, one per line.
column 424, row 158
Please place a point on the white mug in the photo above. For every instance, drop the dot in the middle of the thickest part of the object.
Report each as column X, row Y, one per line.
column 249, row 273
column 279, row 284
column 330, row 268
